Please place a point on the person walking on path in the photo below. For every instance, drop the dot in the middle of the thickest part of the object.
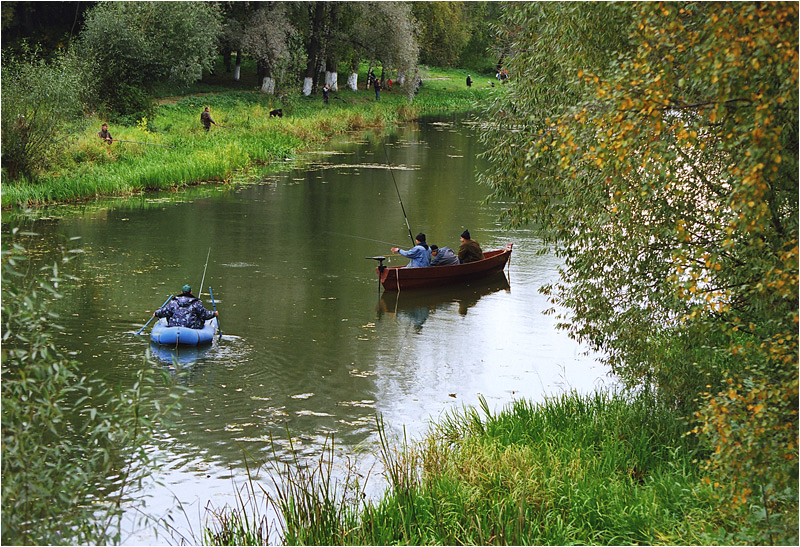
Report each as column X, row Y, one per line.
column 205, row 117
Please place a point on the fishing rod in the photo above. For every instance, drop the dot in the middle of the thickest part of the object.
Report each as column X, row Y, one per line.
column 413, row 242
column 147, row 143
column 204, row 272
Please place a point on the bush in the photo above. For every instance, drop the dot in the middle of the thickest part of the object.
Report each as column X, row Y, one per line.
column 40, row 100
column 63, row 433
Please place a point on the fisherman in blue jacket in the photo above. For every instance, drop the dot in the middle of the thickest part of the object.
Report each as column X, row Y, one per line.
column 420, row 254
column 185, row 310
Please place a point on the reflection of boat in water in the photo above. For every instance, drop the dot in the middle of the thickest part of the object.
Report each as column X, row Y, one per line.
column 398, row 278
column 184, row 355
column 419, row 304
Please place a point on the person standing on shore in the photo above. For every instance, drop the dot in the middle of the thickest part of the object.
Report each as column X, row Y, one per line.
column 205, row 117
column 104, row 134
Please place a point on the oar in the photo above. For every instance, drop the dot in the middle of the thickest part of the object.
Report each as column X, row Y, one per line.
column 153, row 317
column 215, row 309
column 147, row 143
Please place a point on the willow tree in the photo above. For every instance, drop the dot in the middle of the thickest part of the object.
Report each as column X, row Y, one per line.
column 267, row 38
column 655, row 147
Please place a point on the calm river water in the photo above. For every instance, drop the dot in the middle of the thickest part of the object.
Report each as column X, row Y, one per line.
column 310, row 348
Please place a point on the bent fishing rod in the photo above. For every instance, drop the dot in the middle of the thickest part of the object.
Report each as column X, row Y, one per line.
column 413, row 242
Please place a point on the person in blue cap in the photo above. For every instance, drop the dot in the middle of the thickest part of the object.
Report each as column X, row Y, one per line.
column 185, row 310
column 420, row 254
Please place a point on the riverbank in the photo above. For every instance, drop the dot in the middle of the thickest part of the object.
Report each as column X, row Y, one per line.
column 599, row 469
column 172, row 150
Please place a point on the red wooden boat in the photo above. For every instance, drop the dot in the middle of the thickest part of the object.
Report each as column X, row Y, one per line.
column 398, row 278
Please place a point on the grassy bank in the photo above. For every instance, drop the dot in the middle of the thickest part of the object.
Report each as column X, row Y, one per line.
column 594, row 470
column 181, row 153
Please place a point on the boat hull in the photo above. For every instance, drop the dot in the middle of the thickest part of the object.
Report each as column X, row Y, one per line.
column 401, row 279
column 183, row 336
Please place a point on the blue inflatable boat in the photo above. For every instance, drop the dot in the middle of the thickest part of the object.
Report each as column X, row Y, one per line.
column 184, row 336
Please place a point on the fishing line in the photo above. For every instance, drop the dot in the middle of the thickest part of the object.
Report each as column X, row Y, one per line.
column 366, row 238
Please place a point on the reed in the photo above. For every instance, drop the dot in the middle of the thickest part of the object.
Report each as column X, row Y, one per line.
column 597, row 469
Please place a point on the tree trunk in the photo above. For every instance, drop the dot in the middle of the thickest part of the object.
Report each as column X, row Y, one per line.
column 332, row 75
column 226, row 59
column 237, row 71
column 313, row 48
column 265, row 77
column 352, row 81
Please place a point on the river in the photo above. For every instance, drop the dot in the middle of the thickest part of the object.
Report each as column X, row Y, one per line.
column 310, row 349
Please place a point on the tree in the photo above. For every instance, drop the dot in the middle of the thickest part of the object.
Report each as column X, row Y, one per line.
column 267, row 37
column 40, row 100
column 139, row 44
column 655, row 146
column 444, row 31
column 64, row 433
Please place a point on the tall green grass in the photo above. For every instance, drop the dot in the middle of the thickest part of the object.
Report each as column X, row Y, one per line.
column 182, row 153
column 601, row 469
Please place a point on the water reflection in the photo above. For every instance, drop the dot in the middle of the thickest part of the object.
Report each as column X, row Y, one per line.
column 416, row 306
column 310, row 350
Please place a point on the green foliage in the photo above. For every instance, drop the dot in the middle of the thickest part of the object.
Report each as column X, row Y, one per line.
column 138, row 44
column 444, row 31
column 40, row 100
column 655, row 146
column 63, row 434
column 598, row 469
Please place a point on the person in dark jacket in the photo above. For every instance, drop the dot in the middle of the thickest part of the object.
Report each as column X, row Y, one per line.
column 325, row 90
column 185, row 310
column 470, row 250
column 104, row 134
column 377, row 85
column 205, row 117
column 442, row 256
column 469, row 81
column 420, row 254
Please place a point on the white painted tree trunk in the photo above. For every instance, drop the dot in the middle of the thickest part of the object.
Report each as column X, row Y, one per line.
column 237, row 70
column 332, row 79
column 401, row 79
column 307, row 83
column 352, row 81
column 268, row 86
